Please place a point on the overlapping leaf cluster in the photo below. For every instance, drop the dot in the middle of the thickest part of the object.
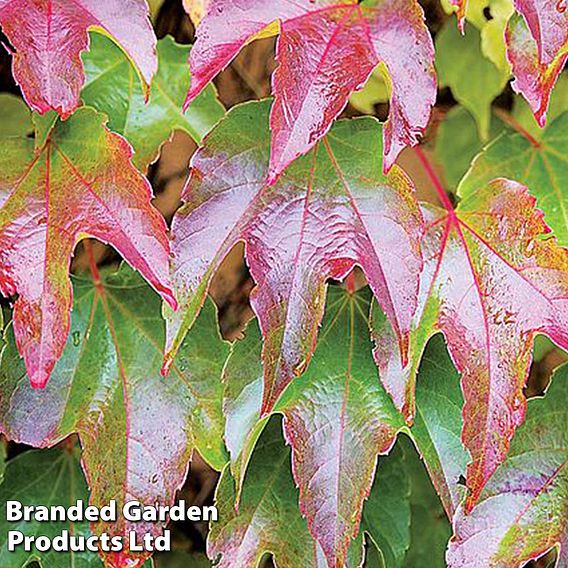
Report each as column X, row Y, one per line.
column 316, row 418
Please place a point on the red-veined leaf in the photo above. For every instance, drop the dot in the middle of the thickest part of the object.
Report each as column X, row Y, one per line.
column 522, row 511
column 137, row 430
column 338, row 419
column 268, row 519
column 490, row 284
column 49, row 36
column 537, row 48
column 326, row 50
column 79, row 181
column 331, row 209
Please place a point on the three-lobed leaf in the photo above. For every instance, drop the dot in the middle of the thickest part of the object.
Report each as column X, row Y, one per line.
column 137, row 430
column 77, row 181
column 49, row 35
column 325, row 51
column 331, row 209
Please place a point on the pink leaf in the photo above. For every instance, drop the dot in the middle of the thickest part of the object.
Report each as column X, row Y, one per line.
column 80, row 183
column 331, row 210
column 522, row 510
column 326, row 50
column 490, row 284
column 537, row 53
column 49, row 36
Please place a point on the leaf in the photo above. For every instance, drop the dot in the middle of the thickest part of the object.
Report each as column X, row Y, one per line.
column 331, row 209
column 325, row 51
column 537, row 48
column 474, row 80
column 386, row 514
column 558, row 105
column 521, row 513
column 78, row 182
column 49, row 36
column 540, row 164
column 110, row 88
column 490, row 17
column 493, row 43
column 403, row 515
column 15, row 116
column 268, row 519
column 137, row 430
column 438, row 423
column 337, row 419
column 375, row 91
column 490, row 284
column 430, row 529
column 48, row 477
column 458, row 142
column 438, row 416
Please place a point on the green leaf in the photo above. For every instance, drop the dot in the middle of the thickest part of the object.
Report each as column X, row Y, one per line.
column 338, row 418
column 386, row 514
column 430, row 528
column 268, row 519
column 267, row 512
column 521, row 513
column 458, row 142
column 403, row 515
column 438, row 423
column 112, row 87
column 541, row 165
column 137, row 429
column 46, row 477
column 474, row 80
column 15, row 116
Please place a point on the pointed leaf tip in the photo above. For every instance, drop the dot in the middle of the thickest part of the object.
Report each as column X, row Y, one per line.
column 99, row 194
column 324, row 55
column 47, row 63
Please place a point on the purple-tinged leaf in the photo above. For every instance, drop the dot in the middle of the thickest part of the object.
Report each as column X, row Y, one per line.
column 522, row 512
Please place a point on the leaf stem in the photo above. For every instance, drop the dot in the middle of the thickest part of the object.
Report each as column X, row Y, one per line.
column 92, row 262
column 350, row 282
column 435, row 179
column 507, row 118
